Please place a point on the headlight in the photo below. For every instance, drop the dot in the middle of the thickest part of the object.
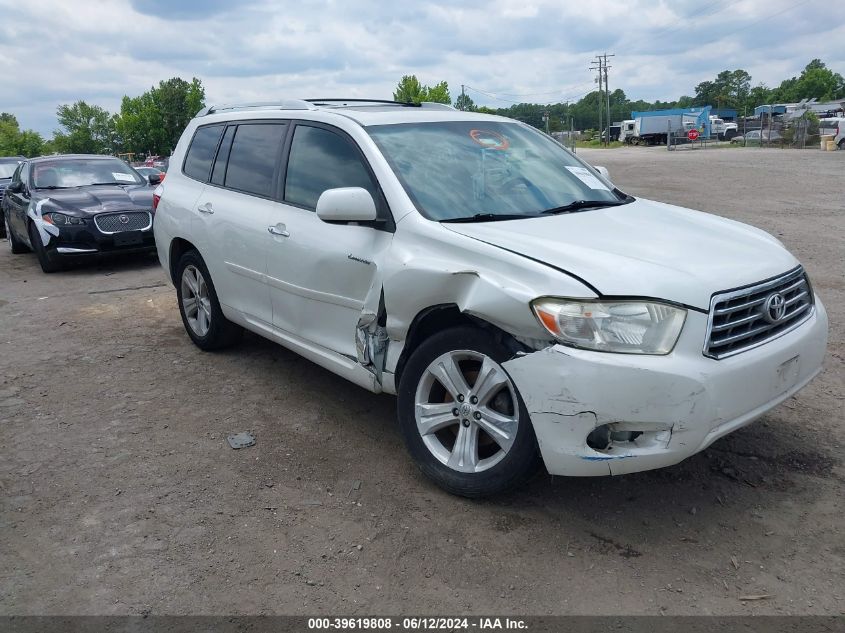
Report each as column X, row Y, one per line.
column 628, row 327
column 60, row 219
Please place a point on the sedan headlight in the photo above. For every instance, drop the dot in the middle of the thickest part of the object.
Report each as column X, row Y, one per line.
column 627, row 327
column 60, row 219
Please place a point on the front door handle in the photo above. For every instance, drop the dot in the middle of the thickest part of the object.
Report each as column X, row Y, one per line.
column 205, row 208
column 278, row 229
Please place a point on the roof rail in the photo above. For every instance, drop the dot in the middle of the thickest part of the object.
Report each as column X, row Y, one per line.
column 404, row 104
column 343, row 102
column 287, row 104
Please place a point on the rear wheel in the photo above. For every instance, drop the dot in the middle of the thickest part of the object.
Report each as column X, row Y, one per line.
column 201, row 314
column 49, row 261
column 15, row 245
column 461, row 416
column 842, row 144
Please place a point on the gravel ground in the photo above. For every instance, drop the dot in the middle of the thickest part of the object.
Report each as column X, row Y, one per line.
column 119, row 494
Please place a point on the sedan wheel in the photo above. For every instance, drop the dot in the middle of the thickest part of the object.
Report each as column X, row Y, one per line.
column 465, row 410
column 195, row 301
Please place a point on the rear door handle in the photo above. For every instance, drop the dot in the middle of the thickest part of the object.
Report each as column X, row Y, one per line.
column 205, row 208
column 278, row 229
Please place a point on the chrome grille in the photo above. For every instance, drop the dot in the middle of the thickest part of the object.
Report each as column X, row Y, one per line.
column 748, row 317
column 121, row 222
column 2, row 193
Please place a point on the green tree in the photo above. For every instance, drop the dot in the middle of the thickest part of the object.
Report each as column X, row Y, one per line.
column 438, row 93
column 154, row 121
column 410, row 90
column 816, row 81
column 728, row 90
column 17, row 142
column 465, row 102
column 86, row 129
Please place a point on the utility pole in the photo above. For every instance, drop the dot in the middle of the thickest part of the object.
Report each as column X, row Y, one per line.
column 599, row 66
column 607, row 95
column 463, row 98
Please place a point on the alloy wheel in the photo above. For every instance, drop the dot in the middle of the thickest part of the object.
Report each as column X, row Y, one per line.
column 195, row 300
column 466, row 411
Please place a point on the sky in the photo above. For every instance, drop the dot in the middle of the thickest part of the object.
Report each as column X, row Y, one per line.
column 54, row 52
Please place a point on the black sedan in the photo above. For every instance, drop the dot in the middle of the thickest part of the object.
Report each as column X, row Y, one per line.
column 78, row 205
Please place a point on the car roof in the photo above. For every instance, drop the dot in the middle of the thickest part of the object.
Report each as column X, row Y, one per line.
column 60, row 157
column 364, row 112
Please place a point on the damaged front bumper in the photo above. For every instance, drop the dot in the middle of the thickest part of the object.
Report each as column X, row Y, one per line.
column 658, row 410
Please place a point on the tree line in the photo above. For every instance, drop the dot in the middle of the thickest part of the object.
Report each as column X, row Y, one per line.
column 147, row 124
column 152, row 122
column 729, row 89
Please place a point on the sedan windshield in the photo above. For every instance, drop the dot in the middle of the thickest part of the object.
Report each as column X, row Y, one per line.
column 7, row 169
column 80, row 172
column 486, row 170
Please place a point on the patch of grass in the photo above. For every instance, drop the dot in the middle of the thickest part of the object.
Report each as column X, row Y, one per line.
column 598, row 144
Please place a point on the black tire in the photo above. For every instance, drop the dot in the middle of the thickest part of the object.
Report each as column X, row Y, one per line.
column 519, row 463
column 221, row 332
column 49, row 261
column 15, row 245
column 842, row 144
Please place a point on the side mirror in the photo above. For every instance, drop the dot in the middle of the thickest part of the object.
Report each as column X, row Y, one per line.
column 15, row 187
column 346, row 204
column 602, row 170
column 154, row 179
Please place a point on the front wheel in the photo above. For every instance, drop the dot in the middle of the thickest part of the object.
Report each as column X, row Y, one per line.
column 461, row 416
column 201, row 314
column 48, row 261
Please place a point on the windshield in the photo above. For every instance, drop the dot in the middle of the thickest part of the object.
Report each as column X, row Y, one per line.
column 79, row 172
column 7, row 169
column 461, row 169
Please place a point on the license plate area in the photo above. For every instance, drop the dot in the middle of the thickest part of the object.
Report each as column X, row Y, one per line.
column 129, row 238
column 787, row 373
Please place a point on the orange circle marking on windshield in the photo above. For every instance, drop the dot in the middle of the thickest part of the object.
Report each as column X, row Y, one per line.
column 490, row 140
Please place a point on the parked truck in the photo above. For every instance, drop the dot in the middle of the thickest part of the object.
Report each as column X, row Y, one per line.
column 654, row 127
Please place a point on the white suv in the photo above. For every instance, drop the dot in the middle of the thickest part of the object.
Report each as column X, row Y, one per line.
column 518, row 304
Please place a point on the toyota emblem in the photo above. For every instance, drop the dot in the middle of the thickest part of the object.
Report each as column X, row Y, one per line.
column 124, row 219
column 774, row 308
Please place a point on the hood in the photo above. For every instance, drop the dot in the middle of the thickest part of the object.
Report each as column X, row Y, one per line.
column 644, row 249
column 98, row 199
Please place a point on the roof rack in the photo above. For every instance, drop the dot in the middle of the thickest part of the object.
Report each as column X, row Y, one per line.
column 287, row 104
column 343, row 102
column 402, row 104
column 312, row 104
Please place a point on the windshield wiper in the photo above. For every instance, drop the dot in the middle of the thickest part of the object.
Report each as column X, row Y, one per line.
column 54, row 187
column 583, row 204
column 488, row 217
column 114, row 183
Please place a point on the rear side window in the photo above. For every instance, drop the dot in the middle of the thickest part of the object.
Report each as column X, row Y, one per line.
column 253, row 157
column 320, row 160
column 201, row 152
column 218, row 175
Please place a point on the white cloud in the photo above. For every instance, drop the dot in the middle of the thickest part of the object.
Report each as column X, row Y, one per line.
column 54, row 52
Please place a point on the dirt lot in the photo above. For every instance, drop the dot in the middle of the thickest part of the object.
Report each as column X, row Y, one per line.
column 121, row 496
